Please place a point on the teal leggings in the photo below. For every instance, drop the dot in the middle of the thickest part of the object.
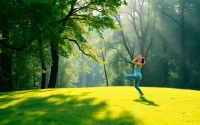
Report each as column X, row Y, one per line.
column 137, row 79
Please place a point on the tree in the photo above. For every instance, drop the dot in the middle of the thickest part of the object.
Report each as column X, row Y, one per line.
column 140, row 12
column 24, row 29
column 129, row 47
column 181, row 23
column 50, row 22
column 92, row 13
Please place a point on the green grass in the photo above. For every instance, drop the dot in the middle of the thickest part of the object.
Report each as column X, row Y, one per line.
column 100, row 106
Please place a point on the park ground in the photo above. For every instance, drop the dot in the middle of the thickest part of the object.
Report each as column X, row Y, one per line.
column 100, row 106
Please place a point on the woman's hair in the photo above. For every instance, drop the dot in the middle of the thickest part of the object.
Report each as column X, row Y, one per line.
column 143, row 61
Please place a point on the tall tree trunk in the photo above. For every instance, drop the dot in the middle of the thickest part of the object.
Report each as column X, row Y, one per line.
column 6, row 76
column 142, row 46
column 183, row 51
column 43, row 66
column 104, row 67
column 54, row 67
column 34, row 82
column 54, row 49
column 165, row 63
column 6, row 66
column 43, row 76
column 1, row 71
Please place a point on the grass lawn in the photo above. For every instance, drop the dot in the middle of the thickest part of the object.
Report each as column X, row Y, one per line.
column 100, row 106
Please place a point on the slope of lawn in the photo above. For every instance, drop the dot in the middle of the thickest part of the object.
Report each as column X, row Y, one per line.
column 100, row 106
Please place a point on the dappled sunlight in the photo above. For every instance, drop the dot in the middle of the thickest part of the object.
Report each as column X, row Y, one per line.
column 100, row 106
column 55, row 100
column 11, row 103
column 4, row 122
column 61, row 108
column 13, row 98
column 35, row 113
column 12, row 95
column 101, row 115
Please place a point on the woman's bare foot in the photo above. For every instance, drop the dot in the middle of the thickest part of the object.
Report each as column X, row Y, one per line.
column 141, row 95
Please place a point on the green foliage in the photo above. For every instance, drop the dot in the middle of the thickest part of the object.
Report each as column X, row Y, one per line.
column 70, row 26
column 26, row 72
column 63, row 23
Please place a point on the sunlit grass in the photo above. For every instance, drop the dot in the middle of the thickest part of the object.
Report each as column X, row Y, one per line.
column 100, row 106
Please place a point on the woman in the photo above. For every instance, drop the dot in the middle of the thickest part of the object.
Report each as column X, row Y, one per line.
column 137, row 76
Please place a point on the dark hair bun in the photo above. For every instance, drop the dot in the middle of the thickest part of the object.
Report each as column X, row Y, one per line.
column 143, row 61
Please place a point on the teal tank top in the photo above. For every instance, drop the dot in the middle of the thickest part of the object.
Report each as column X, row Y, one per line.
column 137, row 71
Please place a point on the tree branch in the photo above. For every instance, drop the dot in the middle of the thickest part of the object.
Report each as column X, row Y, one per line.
column 140, row 15
column 152, row 37
column 147, row 26
column 170, row 17
column 128, row 49
column 63, row 21
column 122, row 56
column 129, row 14
column 72, row 40
column 81, row 8
column 31, row 40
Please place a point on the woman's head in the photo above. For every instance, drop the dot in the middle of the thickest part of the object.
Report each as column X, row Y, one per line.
column 141, row 60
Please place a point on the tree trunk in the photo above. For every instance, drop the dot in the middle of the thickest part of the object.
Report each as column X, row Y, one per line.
column 165, row 63
column 43, row 76
column 6, row 67
column 104, row 67
column 6, row 76
column 1, row 72
column 43, row 66
column 34, row 82
column 54, row 67
column 54, row 49
column 128, row 47
column 183, row 51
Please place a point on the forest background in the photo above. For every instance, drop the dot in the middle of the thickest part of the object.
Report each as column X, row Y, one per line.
column 88, row 43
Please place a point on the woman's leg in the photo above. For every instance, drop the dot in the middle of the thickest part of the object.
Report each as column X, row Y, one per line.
column 131, row 77
column 137, row 86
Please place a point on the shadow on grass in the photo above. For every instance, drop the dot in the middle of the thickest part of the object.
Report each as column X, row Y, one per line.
column 145, row 101
column 8, row 94
column 61, row 109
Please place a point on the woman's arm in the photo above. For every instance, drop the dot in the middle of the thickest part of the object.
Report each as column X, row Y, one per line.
column 134, row 61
